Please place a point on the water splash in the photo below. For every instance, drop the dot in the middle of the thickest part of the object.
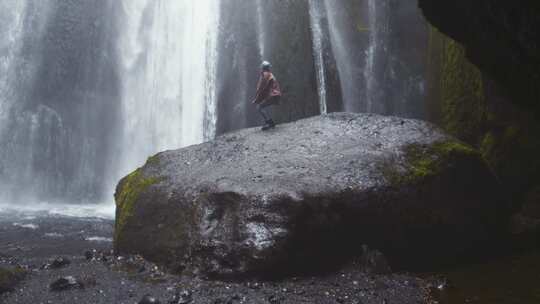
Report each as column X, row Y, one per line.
column 102, row 211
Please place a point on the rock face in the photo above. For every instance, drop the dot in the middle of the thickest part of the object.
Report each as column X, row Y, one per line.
column 484, row 89
column 501, row 37
column 307, row 196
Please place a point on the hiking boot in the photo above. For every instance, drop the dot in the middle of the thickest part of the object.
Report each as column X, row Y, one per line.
column 269, row 125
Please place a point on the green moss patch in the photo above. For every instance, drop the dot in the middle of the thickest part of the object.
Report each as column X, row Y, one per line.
column 9, row 278
column 153, row 160
column 464, row 104
column 426, row 161
column 129, row 190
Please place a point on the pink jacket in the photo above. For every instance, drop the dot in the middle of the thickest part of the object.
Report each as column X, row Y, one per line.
column 267, row 87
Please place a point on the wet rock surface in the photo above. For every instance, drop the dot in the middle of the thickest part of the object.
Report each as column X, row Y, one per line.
column 305, row 197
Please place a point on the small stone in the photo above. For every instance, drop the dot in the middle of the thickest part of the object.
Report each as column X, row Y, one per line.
column 148, row 299
column 183, row 297
column 88, row 281
column 59, row 263
column 88, row 255
column 65, row 283
column 273, row 299
column 254, row 285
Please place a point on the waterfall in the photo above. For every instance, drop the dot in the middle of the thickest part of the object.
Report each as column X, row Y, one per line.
column 380, row 50
column 56, row 110
column 372, row 52
column 261, row 30
column 317, row 37
column 346, row 51
column 11, row 26
column 90, row 89
column 168, row 57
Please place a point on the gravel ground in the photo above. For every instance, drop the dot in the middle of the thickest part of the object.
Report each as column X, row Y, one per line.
column 34, row 242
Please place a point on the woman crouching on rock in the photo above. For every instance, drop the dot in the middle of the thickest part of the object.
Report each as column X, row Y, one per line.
column 268, row 94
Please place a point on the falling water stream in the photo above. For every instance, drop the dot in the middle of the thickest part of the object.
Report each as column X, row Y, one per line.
column 168, row 57
column 315, row 14
column 369, row 71
column 85, row 98
column 261, row 32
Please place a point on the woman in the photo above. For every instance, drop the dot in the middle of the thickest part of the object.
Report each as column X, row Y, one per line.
column 268, row 93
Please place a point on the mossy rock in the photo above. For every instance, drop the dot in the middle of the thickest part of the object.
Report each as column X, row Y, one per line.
column 9, row 278
column 469, row 105
column 128, row 192
column 428, row 161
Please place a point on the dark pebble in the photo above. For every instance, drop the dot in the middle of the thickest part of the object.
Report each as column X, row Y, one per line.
column 90, row 254
column 183, row 297
column 59, row 263
column 65, row 283
column 148, row 299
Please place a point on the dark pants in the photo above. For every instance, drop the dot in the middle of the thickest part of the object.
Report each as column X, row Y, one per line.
column 263, row 107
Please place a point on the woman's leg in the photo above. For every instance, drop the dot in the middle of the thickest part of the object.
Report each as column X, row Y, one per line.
column 262, row 110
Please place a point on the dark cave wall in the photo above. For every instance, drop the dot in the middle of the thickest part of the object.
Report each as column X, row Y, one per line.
column 467, row 102
column 501, row 37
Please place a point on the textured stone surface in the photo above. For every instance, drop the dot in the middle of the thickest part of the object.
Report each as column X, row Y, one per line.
column 484, row 89
column 307, row 195
column 501, row 37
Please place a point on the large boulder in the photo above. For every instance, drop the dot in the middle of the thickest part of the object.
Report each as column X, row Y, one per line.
column 307, row 196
